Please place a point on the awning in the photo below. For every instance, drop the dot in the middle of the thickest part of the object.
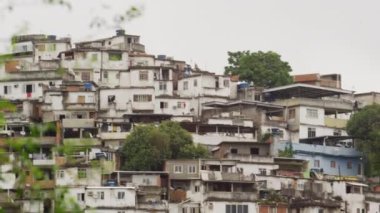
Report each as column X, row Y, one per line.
column 357, row 184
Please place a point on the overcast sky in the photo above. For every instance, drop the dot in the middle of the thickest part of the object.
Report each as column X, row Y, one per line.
column 324, row 36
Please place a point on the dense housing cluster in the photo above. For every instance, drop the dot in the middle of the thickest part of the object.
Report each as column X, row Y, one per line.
column 282, row 149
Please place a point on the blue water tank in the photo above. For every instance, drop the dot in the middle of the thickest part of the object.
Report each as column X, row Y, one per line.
column 87, row 86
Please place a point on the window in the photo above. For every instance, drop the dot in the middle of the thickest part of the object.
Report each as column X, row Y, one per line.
column 101, row 195
column 81, row 99
column 292, row 113
column 196, row 188
column 117, row 76
column 320, row 211
column 311, row 132
column 185, row 85
column 114, row 56
column 51, row 47
column 164, row 105
column 120, row 195
column 359, row 169
column 195, row 82
column 262, row 171
column 105, row 74
column 80, row 197
column 226, row 83
column 254, row 151
column 332, row 164
column 162, row 85
column 177, row 169
column 349, row 165
column 236, row 208
column 181, row 104
column 142, row 98
column 82, row 173
column 94, row 57
column 85, row 76
column 143, row 75
column 7, row 90
column 111, row 98
column 192, row 169
column 60, row 174
column 29, row 88
column 257, row 97
column 312, row 113
column 40, row 47
column 316, row 163
column 234, row 151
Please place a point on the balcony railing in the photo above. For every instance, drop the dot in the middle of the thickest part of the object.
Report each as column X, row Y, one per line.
column 335, row 122
column 228, row 176
column 233, row 196
column 249, row 158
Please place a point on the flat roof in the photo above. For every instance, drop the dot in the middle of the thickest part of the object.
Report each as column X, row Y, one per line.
column 303, row 90
column 142, row 172
column 219, row 104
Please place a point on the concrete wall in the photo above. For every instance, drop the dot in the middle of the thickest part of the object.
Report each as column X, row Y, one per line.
column 70, row 177
column 173, row 106
column 218, row 207
column 111, row 198
column 18, row 89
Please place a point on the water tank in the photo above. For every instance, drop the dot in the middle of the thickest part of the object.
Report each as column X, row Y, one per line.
column 161, row 57
column 120, row 32
column 52, row 37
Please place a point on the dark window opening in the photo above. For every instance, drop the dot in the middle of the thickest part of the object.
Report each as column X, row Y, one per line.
column 234, row 151
column 254, row 151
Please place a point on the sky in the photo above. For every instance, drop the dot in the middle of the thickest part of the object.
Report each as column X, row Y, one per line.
column 314, row 36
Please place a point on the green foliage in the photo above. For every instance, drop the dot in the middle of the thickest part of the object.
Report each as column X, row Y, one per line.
column 264, row 69
column 194, row 151
column 288, row 152
column 179, row 138
column 365, row 127
column 147, row 147
column 266, row 137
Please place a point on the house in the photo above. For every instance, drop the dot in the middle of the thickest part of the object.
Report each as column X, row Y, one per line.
column 367, row 98
column 71, row 99
column 312, row 111
column 329, row 80
column 330, row 155
column 210, row 185
column 269, row 117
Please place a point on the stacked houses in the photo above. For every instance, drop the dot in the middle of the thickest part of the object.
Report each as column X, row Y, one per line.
column 275, row 150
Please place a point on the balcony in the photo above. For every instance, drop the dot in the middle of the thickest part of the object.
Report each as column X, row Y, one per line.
column 43, row 184
column 159, row 205
column 331, row 103
column 325, row 150
column 233, row 196
column 335, row 122
column 43, row 162
column 80, row 106
column 250, row 158
column 137, row 47
column 225, row 176
column 113, row 135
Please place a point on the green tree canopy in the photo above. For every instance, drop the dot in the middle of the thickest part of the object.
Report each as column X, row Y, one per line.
column 148, row 146
column 365, row 127
column 264, row 69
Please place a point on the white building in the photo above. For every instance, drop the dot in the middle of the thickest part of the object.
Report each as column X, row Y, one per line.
column 313, row 111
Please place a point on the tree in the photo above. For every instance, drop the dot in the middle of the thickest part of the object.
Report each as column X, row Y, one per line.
column 264, row 69
column 147, row 147
column 364, row 126
column 179, row 138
